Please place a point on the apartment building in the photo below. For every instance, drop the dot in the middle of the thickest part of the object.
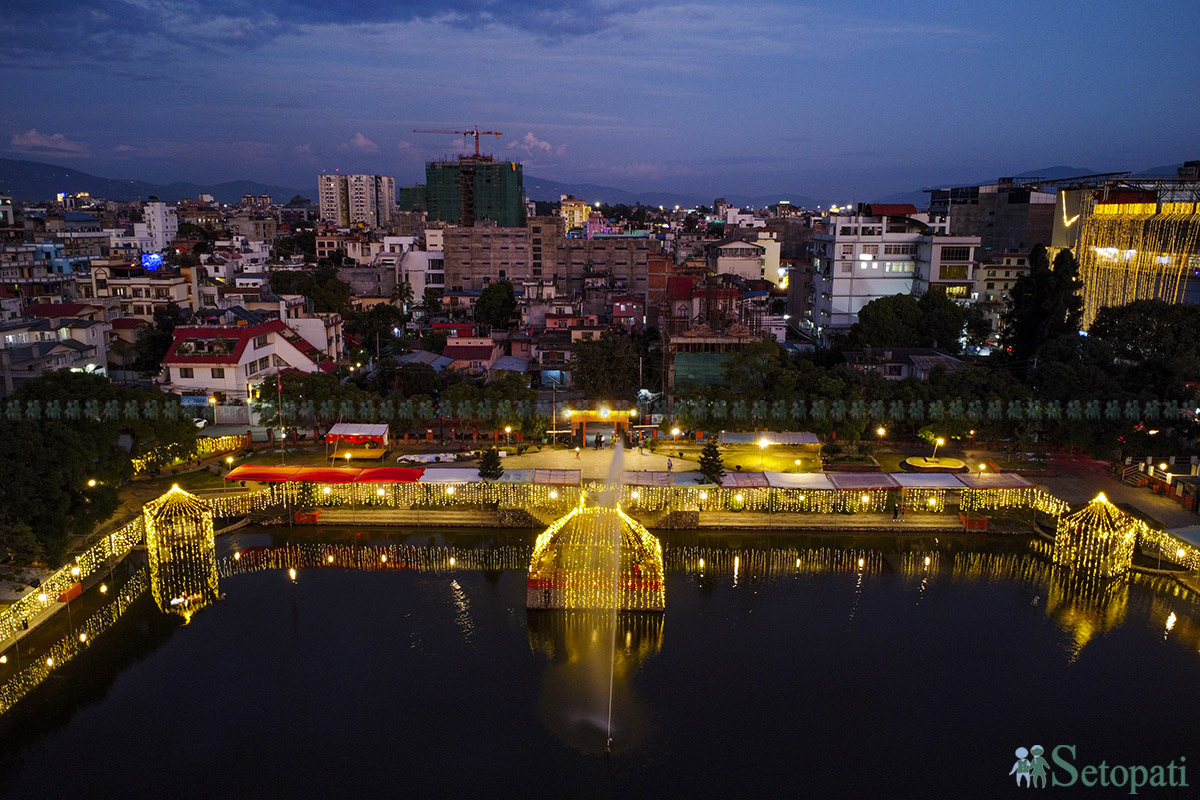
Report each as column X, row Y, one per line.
column 882, row 250
column 138, row 291
column 367, row 200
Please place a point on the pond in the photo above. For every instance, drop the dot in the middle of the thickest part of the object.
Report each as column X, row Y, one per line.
column 814, row 666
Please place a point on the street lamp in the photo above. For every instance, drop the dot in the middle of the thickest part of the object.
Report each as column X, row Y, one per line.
column 982, row 467
column 938, row 442
column 675, row 433
column 91, row 483
column 762, row 452
column 229, row 462
column 507, row 435
column 881, row 431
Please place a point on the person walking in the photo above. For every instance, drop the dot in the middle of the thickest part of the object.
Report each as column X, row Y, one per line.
column 895, row 512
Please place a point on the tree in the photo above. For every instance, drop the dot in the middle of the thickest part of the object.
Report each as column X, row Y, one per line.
column 1044, row 304
column 431, row 300
column 378, row 325
column 888, row 322
column 46, row 477
column 1146, row 328
column 434, row 342
column 496, row 305
column 490, row 468
column 711, row 465
column 154, row 342
column 605, row 368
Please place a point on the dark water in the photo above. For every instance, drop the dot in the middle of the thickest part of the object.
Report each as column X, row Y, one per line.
column 893, row 680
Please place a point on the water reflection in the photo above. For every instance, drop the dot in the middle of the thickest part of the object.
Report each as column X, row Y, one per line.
column 573, row 704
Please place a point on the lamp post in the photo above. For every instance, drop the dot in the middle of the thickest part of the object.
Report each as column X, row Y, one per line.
column 881, row 431
column 982, row 467
column 508, row 435
column 762, row 453
column 938, row 442
column 675, row 433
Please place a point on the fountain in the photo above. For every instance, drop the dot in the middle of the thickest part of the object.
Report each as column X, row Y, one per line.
column 597, row 557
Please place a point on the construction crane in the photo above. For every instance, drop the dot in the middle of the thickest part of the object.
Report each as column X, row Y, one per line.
column 476, row 133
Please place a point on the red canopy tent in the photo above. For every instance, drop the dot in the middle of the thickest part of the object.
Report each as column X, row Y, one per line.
column 327, row 474
column 254, row 472
column 358, row 433
column 390, row 475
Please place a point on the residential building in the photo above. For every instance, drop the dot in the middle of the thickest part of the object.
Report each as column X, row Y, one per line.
column 162, row 224
column 32, row 347
column 236, row 360
column 137, row 290
column 881, row 250
column 366, row 200
column 474, row 355
column 994, row 283
column 574, row 212
column 898, row 363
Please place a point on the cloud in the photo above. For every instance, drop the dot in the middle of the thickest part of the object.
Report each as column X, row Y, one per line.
column 124, row 148
column 55, row 144
column 116, row 33
column 303, row 150
column 359, row 144
column 531, row 145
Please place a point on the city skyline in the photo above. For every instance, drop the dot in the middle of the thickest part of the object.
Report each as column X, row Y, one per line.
column 865, row 99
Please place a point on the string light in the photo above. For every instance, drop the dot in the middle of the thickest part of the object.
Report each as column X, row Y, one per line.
column 181, row 552
column 596, row 558
column 1099, row 538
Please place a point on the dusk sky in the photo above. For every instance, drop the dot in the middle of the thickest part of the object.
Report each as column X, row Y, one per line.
column 834, row 100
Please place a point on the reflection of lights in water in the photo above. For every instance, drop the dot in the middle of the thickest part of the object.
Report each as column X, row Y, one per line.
column 858, row 584
column 860, row 563
column 737, row 561
column 927, row 561
column 462, row 615
column 452, row 561
column 329, row 559
column 292, row 574
column 702, row 563
column 1170, row 624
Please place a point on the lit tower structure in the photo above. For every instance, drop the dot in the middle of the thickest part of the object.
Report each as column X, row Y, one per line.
column 1098, row 539
column 182, row 552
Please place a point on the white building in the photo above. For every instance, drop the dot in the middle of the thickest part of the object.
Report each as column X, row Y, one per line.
column 237, row 360
column 162, row 224
column 882, row 251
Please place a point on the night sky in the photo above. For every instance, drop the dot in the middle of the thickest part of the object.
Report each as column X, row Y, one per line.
column 831, row 100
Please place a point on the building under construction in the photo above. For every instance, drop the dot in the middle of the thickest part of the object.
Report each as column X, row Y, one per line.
column 472, row 188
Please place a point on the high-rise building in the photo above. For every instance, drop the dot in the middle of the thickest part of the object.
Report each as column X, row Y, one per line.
column 368, row 200
column 162, row 223
column 475, row 188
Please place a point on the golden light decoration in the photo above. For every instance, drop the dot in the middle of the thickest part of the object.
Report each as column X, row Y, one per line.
column 36, row 672
column 596, row 558
column 1099, row 539
column 181, row 551
column 1134, row 251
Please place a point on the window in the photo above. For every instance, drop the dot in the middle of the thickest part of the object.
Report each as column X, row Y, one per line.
column 847, row 249
column 137, row 292
column 870, row 249
column 990, row 285
column 899, row 249
column 953, row 272
column 218, row 372
column 186, row 372
column 260, row 341
column 956, row 254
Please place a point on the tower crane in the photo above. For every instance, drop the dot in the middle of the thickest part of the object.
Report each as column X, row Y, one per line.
column 476, row 133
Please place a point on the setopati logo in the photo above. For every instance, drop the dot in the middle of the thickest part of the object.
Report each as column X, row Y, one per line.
column 1032, row 770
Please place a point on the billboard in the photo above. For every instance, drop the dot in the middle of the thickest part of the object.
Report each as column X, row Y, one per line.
column 151, row 261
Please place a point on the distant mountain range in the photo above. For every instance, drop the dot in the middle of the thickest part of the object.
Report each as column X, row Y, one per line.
column 920, row 199
column 32, row 181
column 550, row 191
